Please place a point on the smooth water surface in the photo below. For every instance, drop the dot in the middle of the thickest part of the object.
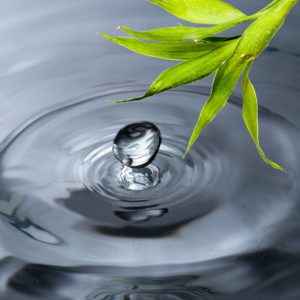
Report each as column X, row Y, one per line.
column 219, row 224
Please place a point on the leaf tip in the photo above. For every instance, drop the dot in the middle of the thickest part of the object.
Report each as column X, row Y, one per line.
column 278, row 167
column 184, row 154
column 117, row 28
column 104, row 35
column 110, row 101
column 187, row 150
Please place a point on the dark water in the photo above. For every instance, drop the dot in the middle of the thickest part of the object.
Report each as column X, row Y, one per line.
column 219, row 225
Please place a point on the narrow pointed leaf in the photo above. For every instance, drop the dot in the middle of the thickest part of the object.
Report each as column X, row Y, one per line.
column 188, row 71
column 168, row 50
column 183, row 33
column 254, row 40
column 201, row 11
column 250, row 115
column 224, row 83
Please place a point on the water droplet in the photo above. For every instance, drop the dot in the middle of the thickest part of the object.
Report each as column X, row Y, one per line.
column 136, row 144
column 139, row 179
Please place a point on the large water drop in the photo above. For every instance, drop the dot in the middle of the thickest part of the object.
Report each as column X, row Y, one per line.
column 136, row 145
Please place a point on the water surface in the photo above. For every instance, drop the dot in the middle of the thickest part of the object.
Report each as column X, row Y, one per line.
column 219, row 225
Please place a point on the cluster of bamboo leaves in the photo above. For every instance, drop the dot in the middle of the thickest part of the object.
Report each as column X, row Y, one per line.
column 203, row 53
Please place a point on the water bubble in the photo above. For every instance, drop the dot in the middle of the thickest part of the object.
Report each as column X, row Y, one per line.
column 136, row 145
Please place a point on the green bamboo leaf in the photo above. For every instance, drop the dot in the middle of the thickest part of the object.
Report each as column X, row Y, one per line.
column 201, row 11
column 254, row 40
column 188, row 71
column 169, row 50
column 270, row 5
column 231, row 59
column 224, row 83
column 183, row 33
column 250, row 115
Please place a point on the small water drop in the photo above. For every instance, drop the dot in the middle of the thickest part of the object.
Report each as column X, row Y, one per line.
column 136, row 145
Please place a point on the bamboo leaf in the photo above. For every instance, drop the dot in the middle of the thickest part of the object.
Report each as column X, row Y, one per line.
column 224, row 83
column 169, row 50
column 188, row 71
column 250, row 115
column 254, row 40
column 183, row 33
column 201, row 11
column 230, row 58
column 270, row 5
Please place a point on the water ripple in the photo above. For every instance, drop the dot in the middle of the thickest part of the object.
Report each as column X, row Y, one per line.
column 221, row 200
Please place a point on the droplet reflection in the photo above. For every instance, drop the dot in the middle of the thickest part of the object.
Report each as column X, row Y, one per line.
column 139, row 179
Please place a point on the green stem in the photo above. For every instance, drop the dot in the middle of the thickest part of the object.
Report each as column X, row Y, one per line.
column 273, row 5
